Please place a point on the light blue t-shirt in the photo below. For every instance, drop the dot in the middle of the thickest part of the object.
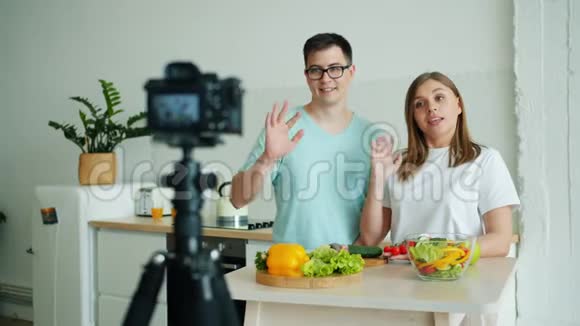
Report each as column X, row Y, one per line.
column 321, row 185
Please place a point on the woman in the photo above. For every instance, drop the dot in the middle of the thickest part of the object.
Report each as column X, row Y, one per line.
column 443, row 182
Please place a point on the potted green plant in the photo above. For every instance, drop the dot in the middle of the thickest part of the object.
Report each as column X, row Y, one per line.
column 97, row 162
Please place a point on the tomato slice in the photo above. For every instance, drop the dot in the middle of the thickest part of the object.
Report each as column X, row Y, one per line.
column 427, row 270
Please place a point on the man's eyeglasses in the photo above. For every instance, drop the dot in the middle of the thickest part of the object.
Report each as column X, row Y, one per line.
column 333, row 72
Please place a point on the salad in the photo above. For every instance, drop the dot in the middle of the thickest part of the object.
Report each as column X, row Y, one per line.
column 439, row 258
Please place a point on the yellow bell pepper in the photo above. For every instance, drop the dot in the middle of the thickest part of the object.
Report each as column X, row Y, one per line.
column 454, row 250
column 286, row 259
column 441, row 265
column 454, row 255
column 451, row 256
column 463, row 259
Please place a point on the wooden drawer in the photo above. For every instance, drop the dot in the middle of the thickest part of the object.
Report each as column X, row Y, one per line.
column 112, row 312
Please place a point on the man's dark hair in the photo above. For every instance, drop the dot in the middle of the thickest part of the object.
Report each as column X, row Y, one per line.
column 324, row 41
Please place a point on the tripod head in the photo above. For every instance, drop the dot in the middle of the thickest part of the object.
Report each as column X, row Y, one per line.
column 188, row 109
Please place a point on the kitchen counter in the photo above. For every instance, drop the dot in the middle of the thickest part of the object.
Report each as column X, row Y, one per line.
column 390, row 291
column 165, row 225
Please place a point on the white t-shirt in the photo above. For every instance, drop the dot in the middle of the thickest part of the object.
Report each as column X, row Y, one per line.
column 440, row 199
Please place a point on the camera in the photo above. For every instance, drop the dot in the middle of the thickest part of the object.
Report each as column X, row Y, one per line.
column 188, row 108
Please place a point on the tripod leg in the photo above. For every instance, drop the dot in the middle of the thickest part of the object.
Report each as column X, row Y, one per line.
column 213, row 291
column 229, row 313
column 198, row 293
column 144, row 300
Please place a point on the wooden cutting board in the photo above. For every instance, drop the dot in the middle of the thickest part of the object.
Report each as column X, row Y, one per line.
column 371, row 262
column 307, row 282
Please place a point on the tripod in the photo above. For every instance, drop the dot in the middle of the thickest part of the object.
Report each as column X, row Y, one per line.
column 197, row 293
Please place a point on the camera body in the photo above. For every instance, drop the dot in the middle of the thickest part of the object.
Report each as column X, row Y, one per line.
column 191, row 108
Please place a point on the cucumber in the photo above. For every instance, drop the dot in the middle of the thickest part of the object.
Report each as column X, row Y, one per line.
column 365, row 251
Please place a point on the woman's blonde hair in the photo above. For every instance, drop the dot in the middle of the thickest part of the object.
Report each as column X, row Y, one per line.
column 461, row 150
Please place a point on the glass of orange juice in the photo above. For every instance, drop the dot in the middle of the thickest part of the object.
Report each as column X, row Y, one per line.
column 157, row 212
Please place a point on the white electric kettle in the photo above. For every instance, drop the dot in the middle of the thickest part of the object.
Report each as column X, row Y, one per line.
column 226, row 212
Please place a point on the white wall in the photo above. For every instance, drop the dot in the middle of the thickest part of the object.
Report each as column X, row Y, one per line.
column 53, row 50
column 547, row 63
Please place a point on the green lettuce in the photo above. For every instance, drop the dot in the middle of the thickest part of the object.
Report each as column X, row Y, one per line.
column 427, row 251
column 348, row 263
column 324, row 253
column 317, row 268
column 452, row 273
column 325, row 261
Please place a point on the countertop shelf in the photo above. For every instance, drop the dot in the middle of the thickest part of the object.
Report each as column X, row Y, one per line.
column 165, row 225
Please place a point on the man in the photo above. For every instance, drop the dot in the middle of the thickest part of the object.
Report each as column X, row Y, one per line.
column 316, row 160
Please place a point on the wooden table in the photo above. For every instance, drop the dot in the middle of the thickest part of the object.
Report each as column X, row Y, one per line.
column 388, row 295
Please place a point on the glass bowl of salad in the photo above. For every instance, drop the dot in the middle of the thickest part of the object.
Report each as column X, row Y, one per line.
column 440, row 256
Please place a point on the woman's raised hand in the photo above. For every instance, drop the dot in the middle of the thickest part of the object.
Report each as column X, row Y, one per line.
column 383, row 161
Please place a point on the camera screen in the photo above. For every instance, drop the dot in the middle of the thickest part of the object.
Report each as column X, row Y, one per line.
column 176, row 110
